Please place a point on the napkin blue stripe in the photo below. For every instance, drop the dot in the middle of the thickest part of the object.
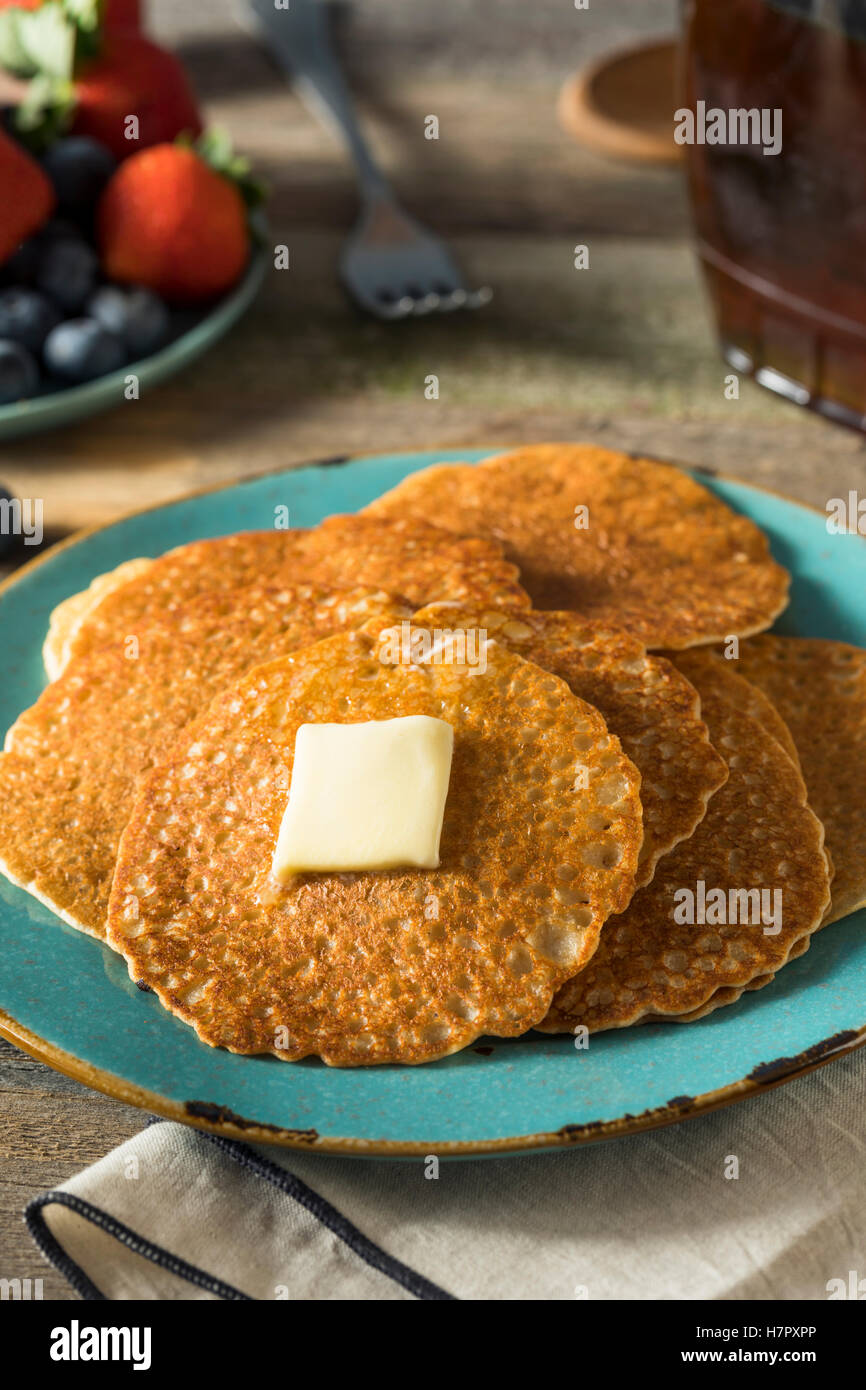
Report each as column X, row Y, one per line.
column 328, row 1216
column 75, row 1275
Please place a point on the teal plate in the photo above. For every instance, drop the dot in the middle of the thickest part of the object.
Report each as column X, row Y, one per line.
column 68, row 1000
column 64, row 407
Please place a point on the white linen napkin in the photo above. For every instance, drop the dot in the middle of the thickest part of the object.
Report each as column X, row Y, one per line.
column 177, row 1214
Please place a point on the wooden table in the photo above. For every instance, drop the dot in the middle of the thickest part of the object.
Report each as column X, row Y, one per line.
column 622, row 353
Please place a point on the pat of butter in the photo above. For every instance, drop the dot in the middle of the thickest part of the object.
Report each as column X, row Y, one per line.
column 366, row 796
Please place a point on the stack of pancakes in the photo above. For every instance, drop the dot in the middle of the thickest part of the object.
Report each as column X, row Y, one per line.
column 650, row 810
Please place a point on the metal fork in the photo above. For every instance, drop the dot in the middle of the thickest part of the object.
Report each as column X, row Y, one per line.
column 390, row 265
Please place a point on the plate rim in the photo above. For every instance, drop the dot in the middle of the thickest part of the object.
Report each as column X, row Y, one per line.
column 766, row 1077
column 233, row 1126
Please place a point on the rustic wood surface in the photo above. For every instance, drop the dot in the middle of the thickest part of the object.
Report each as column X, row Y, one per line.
column 621, row 353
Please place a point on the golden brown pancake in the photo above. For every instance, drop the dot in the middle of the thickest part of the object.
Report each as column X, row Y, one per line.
column 660, row 556
column 646, row 702
column 69, row 617
column 423, row 563
column 758, row 833
column 819, row 689
column 395, row 966
column 741, row 692
column 74, row 761
column 728, row 994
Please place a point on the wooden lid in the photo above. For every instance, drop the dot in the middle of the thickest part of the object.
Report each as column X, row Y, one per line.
column 624, row 104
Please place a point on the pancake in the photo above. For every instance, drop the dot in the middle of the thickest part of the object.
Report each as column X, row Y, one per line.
column 748, row 697
column 646, row 702
column 758, row 833
column 394, row 966
column 74, row 760
column 752, row 701
column 173, row 579
column 660, row 557
column 728, row 994
column 410, row 558
column 68, row 617
column 425, row 563
column 819, row 690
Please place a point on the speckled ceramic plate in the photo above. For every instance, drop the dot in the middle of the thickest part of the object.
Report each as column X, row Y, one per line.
column 194, row 333
column 68, row 1000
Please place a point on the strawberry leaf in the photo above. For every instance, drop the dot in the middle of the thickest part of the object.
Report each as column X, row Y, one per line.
column 44, row 113
column 48, row 39
column 14, row 57
column 88, row 16
column 215, row 148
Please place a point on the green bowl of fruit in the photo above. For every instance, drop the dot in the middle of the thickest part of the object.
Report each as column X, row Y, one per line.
column 130, row 241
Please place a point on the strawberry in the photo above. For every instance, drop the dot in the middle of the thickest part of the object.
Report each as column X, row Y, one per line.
column 26, row 196
column 134, row 77
column 123, row 14
column 170, row 222
column 89, row 70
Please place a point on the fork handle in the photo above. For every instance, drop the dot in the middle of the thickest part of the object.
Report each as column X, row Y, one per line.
column 298, row 37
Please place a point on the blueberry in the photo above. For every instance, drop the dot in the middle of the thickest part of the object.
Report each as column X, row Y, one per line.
column 58, row 229
column 135, row 315
column 67, row 272
column 79, row 168
column 27, row 317
column 21, row 267
column 19, row 374
column 81, row 349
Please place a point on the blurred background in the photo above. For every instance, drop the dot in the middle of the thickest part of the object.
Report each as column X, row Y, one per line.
column 622, row 353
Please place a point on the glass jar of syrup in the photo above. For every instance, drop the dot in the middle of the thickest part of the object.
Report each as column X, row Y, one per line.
column 782, row 233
